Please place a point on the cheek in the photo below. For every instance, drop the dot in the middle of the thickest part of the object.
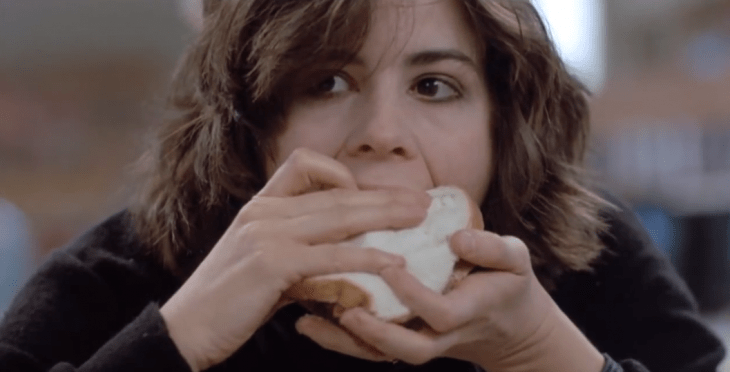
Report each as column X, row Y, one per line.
column 476, row 166
column 464, row 157
column 317, row 130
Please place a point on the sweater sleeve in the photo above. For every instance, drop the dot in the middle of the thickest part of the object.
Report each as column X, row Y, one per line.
column 626, row 366
column 635, row 308
column 87, row 309
column 143, row 345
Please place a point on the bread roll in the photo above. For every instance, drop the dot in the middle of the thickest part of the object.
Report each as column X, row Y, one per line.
column 425, row 248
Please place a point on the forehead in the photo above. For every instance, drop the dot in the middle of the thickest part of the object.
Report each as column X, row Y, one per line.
column 400, row 27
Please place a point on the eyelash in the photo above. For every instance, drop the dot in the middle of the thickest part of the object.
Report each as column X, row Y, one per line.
column 449, row 82
column 313, row 91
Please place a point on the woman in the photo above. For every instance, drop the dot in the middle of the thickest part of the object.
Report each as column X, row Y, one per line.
column 301, row 124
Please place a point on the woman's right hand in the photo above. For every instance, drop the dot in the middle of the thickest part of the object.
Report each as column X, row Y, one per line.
column 293, row 229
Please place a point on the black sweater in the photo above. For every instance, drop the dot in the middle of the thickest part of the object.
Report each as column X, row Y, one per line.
column 93, row 306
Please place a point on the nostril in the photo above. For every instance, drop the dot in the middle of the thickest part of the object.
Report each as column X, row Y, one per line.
column 365, row 148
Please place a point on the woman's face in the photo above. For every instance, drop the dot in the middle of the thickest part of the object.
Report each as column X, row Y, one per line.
column 411, row 110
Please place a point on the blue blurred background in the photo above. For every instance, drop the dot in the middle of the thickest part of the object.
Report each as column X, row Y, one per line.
column 81, row 80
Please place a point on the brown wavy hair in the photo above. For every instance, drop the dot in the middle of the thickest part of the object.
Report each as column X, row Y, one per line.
column 229, row 94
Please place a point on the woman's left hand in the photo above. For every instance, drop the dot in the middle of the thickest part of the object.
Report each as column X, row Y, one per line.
column 501, row 319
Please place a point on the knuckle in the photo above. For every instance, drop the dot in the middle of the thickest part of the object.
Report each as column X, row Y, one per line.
column 349, row 226
column 449, row 316
column 260, row 261
column 299, row 159
column 468, row 251
column 290, row 276
column 445, row 321
column 250, row 211
column 338, row 259
column 251, row 232
column 269, row 266
column 253, row 237
column 242, row 218
column 299, row 155
column 409, row 297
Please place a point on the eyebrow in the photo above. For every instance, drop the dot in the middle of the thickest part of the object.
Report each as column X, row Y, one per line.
column 422, row 58
column 428, row 57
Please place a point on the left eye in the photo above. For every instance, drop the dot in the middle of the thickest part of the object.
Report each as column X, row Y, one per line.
column 333, row 84
column 435, row 89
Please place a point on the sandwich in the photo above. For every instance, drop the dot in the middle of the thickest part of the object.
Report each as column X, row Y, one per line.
column 426, row 251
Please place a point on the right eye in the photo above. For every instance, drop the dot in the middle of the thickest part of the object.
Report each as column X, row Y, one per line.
column 331, row 85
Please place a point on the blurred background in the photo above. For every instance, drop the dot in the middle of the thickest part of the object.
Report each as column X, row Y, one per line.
column 81, row 81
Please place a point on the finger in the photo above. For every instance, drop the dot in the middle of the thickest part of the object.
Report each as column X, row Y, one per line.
column 443, row 313
column 306, row 170
column 476, row 296
column 338, row 339
column 394, row 340
column 340, row 224
column 492, row 251
column 263, row 207
column 341, row 257
column 471, row 299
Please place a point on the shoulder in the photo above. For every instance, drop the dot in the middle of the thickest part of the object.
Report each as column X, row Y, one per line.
column 104, row 271
column 113, row 236
column 112, row 252
column 629, row 268
column 630, row 250
column 83, row 294
column 634, row 305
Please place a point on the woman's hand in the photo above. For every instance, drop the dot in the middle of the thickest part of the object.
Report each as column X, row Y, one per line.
column 289, row 231
column 501, row 319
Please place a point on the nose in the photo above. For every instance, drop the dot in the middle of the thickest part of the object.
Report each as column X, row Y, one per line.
column 381, row 131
